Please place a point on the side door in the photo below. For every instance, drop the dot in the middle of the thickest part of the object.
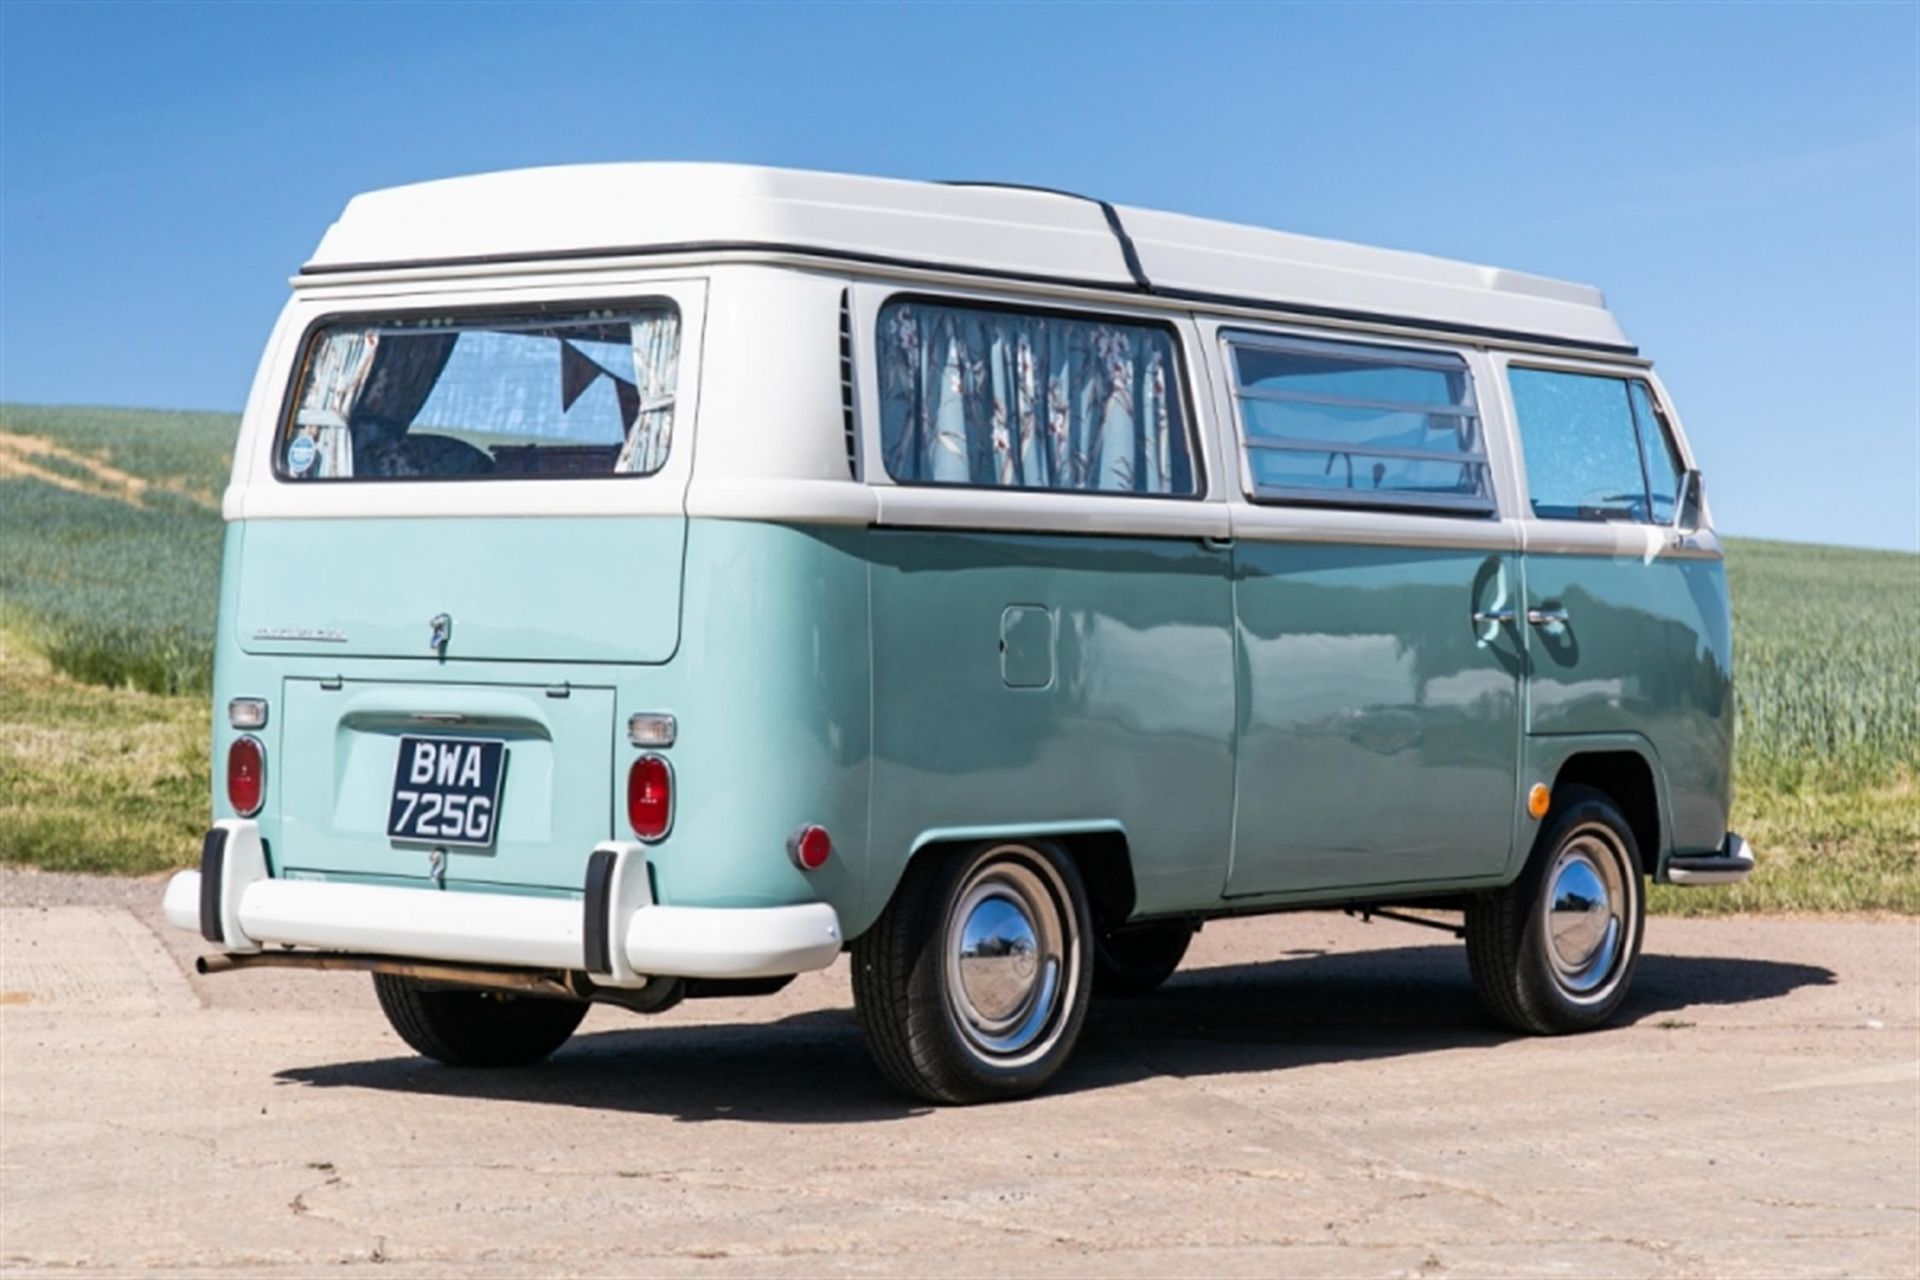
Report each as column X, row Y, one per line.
column 1628, row 632
column 1376, row 584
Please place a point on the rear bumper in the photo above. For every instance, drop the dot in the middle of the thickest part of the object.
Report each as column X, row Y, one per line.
column 1732, row 864
column 615, row 931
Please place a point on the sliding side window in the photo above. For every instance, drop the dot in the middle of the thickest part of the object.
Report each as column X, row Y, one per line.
column 1017, row 399
column 1355, row 425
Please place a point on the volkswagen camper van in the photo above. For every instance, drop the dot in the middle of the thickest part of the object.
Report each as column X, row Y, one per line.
column 653, row 581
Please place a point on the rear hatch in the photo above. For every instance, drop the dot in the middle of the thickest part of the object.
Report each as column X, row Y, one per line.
column 603, row 589
column 472, row 539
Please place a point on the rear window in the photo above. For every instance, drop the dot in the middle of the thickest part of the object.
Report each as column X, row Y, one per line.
column 495, row 397
column 1005, row 398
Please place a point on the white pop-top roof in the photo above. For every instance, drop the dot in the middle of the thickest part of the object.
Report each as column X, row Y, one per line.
column 622, row 209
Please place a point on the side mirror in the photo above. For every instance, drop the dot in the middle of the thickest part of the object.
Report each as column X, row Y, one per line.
column 1688, row 501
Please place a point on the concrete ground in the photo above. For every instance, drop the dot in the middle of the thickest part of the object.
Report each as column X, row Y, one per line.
column 1309, row 1096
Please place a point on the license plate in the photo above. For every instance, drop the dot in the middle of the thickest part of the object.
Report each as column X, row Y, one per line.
column 446, row 791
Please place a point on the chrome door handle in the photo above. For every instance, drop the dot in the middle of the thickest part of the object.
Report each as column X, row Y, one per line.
column 1548, row 617
column 1496, row 617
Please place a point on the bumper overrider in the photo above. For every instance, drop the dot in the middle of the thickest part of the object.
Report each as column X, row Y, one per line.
column 614, row 932
column 1730, row 865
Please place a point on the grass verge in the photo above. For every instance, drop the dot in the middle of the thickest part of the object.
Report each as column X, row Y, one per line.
column 103, row 780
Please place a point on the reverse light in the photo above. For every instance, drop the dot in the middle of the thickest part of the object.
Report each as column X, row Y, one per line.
column 247, row 713
column 650, row 797
column 246, row 775
column 810, row 847
column 652, row 729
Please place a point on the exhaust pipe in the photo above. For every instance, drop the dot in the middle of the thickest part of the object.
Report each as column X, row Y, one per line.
column 657, row 996
column 533, row 982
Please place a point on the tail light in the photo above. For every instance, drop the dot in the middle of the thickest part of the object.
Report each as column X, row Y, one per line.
column 246, row 775
column 810, row 847
column 650, row 797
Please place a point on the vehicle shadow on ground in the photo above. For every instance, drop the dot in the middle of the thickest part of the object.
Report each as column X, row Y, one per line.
column 811, row 1068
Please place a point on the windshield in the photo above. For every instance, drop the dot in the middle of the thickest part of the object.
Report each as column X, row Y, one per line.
column 499, row 397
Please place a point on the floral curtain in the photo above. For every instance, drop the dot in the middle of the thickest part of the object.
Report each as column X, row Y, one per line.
column 322, row 446
column 656, row 366
column 988, row 397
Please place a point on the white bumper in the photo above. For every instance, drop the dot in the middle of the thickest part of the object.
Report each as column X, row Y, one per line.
column 233, row 902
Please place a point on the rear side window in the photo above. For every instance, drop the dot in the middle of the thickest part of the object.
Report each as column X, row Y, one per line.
column 1350, row 424
column 1596, row 447
column 499, row 397
column 1031, row 400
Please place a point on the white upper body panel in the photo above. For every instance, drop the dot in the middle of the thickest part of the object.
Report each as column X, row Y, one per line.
column 623, row 210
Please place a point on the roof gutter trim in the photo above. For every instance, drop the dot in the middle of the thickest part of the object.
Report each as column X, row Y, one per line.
column 1138, row 284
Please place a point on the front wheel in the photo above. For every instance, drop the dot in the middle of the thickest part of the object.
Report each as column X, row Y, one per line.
column 466, row 1028
column 1555, row 951
column 973, row 984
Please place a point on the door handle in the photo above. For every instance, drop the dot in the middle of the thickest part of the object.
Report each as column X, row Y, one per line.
column 1212, row 543
column 1495, row 617
column 1548, row 617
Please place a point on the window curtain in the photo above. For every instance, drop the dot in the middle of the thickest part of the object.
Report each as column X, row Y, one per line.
column 981, row 397
column 395, row 387
column 656, row 366
column 340, row 369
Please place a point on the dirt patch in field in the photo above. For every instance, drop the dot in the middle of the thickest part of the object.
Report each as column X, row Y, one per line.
column 37, row 458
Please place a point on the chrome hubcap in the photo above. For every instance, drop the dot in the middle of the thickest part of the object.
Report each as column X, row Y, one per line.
column 1585, row 909
column 1009, row 957
column 998, row 964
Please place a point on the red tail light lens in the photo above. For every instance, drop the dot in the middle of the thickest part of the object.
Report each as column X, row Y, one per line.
column 246, row 775
column 650, row 797
column 810, row 847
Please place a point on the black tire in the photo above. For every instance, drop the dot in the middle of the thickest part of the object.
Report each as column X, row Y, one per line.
column 1525, row 958
column 465, row 1028
column 1135, row 961
column 933, row 1031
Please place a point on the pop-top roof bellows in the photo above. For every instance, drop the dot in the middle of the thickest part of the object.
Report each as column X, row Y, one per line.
column 619, row 210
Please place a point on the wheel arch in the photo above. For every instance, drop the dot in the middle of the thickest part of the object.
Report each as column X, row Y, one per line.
column 1632, row 779
column 1099, row 849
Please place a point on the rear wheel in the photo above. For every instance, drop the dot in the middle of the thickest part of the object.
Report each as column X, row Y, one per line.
column 1134, row 961
column 973, row 983
column 1555, row 951
column 466, row 1028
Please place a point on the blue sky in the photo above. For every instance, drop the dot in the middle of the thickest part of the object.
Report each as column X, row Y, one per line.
column 1741, row 180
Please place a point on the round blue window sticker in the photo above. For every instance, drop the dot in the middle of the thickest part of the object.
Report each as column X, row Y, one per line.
column 300, row 455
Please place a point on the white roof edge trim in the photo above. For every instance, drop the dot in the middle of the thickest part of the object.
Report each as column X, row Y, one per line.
column 433, row 286
column 627, row 210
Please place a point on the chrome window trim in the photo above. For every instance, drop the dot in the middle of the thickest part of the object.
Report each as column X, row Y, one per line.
column 1230, row 339
column 985, row 508
column 255, row 492
column 1374, row 527
column 1170, row 324
column 1542, row 536
column 461, row 320
column 1628, row 374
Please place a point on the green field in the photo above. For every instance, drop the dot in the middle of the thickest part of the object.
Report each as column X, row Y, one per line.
column 109, row 563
